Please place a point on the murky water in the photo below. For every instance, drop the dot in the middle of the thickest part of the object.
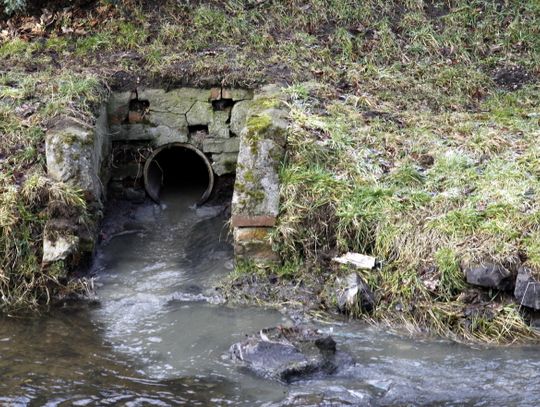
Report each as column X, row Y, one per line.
column 159, row 335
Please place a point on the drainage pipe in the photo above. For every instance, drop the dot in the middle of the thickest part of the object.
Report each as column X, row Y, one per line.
column 155, row 172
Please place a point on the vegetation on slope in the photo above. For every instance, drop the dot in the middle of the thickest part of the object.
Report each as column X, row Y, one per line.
column 412, row 138
column 27, row 196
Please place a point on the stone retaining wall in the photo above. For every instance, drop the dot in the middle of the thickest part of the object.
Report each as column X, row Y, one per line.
column 209, row 119
column 241, row 132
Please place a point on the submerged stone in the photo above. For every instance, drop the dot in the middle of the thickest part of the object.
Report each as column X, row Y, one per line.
column 336, row 396
column 289, row 354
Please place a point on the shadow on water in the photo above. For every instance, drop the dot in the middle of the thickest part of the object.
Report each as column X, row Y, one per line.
column 61, row 359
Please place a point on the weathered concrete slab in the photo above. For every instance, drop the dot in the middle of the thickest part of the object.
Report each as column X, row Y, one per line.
column 231, row 145
column 77, row 154
column 253, row 220
column 255, row 201
column 256, row 190
column 74, row 155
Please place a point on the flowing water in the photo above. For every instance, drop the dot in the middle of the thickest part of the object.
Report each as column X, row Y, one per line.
column 158, row 335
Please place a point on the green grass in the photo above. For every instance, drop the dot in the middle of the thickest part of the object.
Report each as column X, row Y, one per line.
column 361, row 184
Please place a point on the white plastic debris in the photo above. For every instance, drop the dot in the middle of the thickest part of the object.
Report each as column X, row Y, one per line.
column 358, row 260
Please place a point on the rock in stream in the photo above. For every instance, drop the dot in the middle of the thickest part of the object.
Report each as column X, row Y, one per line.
column 289, row 354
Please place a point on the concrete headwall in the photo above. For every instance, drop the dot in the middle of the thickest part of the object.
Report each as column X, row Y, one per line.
column 240, row 131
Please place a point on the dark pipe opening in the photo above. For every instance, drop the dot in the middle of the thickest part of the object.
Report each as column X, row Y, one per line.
column 179, row 166
column 222, row 104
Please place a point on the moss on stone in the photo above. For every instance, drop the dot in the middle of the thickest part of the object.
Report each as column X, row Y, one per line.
column 257, row 125
column 249, row 176
column 264, row 103
column 68, row 138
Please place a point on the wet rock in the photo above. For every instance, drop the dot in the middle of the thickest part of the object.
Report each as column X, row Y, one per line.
column 353, row 295
column 337, row 396
column 289, row 354
column 135, row 195
column 490, row 276
column 527, row 290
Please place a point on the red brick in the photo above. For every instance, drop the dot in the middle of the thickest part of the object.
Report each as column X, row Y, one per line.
column 253, row 220
column 215, row 93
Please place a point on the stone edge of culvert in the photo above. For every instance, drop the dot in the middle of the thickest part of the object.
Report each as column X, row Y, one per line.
column 255, row 202
column 78, row 154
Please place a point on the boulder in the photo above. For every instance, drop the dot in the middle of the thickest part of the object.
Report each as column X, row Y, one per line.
column 490, row 276
column 290, row 354
column 527, row 290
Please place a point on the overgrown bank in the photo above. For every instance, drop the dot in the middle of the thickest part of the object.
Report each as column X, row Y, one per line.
column 414, row 140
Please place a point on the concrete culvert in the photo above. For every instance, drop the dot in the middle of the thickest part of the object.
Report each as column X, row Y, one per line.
column 178, row 165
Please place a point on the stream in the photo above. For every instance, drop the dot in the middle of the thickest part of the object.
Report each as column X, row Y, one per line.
column 158, row 334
